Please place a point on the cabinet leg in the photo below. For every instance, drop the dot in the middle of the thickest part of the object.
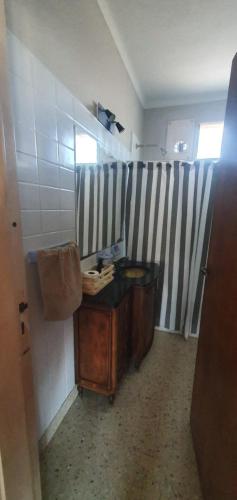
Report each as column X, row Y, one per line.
column 111, row 399
column 80, row 391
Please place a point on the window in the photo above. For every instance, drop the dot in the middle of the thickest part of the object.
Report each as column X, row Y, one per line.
column 210, row 139
column 86, row 149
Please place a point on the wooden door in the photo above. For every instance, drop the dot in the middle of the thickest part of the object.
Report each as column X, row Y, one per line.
column 19, row 464
column 214, row 403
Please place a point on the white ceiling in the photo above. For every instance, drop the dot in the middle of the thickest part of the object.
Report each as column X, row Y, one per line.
column 176, row 51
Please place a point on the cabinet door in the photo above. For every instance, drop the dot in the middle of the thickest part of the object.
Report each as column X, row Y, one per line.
column 143, row 315
column 123, row 332
column 148, row 315
column 95, row 349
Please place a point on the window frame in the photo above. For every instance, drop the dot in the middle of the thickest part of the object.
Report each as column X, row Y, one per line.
column 208, row 123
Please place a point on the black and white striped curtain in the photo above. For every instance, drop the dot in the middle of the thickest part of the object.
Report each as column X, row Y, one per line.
column 168, row 220
column 100, row 203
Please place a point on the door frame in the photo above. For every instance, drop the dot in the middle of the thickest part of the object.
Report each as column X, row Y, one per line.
column 19, row 461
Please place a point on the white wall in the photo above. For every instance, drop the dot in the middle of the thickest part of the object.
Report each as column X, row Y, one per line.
column 44, row 140
column 73, row 40
column 156, row 122
column 44, row 116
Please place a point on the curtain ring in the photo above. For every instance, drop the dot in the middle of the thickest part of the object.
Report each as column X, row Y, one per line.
column 141, row 164
column 185, row 164
column 105, row 167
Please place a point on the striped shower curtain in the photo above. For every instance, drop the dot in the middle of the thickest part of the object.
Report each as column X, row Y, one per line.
column 100, row 205
column 168, row 220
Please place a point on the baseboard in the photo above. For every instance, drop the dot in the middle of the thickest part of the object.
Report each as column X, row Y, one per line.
column 54, row 424
column 166, row 330
column 176, row 332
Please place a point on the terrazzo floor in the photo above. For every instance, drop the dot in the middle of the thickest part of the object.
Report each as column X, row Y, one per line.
column 138, row 449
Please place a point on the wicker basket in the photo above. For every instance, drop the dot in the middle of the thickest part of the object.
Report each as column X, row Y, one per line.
column 94, row 284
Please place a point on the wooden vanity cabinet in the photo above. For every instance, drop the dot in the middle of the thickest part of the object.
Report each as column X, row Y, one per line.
column 143, row 321
column 107, row 338
column 102, row 346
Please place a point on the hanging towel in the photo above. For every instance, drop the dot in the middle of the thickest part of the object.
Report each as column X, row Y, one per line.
column 60, row 281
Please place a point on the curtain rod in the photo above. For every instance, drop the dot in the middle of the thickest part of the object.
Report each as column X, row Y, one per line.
column 147, row 146
column 162, row 150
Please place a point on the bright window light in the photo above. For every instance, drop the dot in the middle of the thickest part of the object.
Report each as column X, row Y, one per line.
column 210, row 139
column 86, row 149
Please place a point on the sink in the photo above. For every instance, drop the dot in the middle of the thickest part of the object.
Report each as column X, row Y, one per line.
column 131, row 269
column 134, row 272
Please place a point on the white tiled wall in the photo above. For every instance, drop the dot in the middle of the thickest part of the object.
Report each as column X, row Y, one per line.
column 44, row 114
column 44, row 139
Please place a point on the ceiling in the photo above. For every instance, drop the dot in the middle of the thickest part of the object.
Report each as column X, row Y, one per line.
column 176, row 51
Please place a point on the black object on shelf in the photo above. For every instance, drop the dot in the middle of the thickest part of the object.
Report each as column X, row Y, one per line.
column 99, row 265
column 108, row 119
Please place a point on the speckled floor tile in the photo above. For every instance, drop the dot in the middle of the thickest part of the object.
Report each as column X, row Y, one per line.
column 138, row 449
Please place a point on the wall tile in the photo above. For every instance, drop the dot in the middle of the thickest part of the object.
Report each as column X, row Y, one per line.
column 67, row 200
column 44, row 410
column 31, row 223
column 44, row 240
column 45, row 118
column 49, row 198
column 66, row 157
column 83, row 116
column 65, row 129
column 48, row 173
column 19, row 58
column 64, row 100
column 69, row 353
column 22, row 101
column 50, row 221
column 43, row 81
column 27, row 169
column 67, row 219
column 51, row 239
column 46, row 148
column 66, row 178
column 31, row 243
column 29, row 196
column 67, row 235
column 56, row 353
column 25, row 139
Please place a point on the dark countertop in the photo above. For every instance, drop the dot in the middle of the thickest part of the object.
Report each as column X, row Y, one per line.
column 113, row 293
